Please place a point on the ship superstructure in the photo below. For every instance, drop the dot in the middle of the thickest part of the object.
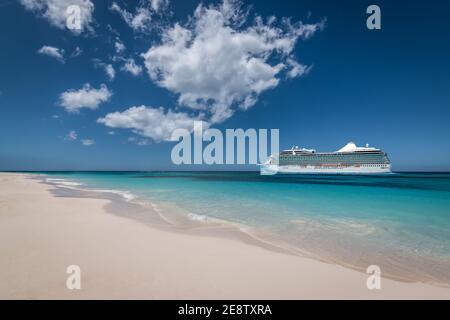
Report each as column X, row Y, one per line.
column 348, row 160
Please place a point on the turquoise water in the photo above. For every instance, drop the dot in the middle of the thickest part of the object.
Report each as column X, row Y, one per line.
column 400, row 222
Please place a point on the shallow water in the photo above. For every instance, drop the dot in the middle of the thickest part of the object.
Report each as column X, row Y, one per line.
column 400, row 222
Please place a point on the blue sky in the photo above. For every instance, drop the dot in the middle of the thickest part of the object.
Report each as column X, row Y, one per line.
column 323, row 79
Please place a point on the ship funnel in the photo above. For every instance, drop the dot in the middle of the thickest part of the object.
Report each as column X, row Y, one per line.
column 349, row 147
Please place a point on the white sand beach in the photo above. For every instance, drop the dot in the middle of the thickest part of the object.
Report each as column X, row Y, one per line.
column 120, row 258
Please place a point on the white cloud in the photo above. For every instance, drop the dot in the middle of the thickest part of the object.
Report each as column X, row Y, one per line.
column 143, row 142
column 216, row 65
column 110, row 72
column 221, row 60
column 139, row 142
column 71, row 136
column 87, row 142
column 131, row 67
column 55, row 12
column 158, row 5
column 119, row 46
column 76, row 52
column 52, row 52
column 154, row 123
column 108, row 68
column 140, row 21
column 296, row 69
column 86, row 97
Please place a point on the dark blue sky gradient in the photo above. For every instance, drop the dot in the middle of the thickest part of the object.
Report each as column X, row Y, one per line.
column 389, row 88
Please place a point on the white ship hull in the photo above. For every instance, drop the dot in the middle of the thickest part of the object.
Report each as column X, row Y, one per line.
column 275, row 169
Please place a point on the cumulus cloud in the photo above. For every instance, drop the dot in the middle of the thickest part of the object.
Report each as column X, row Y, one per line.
column 139, row 141
column 55, row 12
column 110, row 72
column 52, row 52
column 131, row 67
column 154, row 123
column 221, row 60
column 87, row 142
column 158, row 5
column 71, row 136
column 143, row 142
column 86, row 97
column 119, row 46
column 142, row 19
column 296, row 69
column 108, row 68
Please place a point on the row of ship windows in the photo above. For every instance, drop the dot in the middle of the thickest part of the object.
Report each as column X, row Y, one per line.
column 346, row 161
column 362, row 165
column 334, row 157
column 365, row 154
column 334, row 160
column 374, row 165
column 337, row 164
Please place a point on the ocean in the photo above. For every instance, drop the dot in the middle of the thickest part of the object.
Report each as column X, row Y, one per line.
column 399, row 222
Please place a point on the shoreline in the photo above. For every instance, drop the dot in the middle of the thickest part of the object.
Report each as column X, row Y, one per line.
column 173, row 219
column 150, row 214
column 113, row 247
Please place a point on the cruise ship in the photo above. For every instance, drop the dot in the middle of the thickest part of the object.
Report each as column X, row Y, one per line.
column 348, row 160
